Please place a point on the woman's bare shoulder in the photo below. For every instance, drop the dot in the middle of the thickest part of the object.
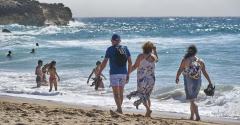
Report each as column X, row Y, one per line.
column 140, row 56
column 201, row 62
column 52, row 69
column 184, row 60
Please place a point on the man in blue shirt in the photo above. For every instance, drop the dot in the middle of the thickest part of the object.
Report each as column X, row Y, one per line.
column 118, row 57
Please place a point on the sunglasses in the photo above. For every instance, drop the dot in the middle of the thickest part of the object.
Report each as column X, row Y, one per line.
column 115, row 40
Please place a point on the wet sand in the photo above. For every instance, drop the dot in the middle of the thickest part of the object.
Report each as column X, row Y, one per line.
column 22, row 111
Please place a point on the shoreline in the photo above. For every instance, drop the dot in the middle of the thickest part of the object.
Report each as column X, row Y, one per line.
column 94, row 114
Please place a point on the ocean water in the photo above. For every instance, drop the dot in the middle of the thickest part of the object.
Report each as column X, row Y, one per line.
column 79, row 45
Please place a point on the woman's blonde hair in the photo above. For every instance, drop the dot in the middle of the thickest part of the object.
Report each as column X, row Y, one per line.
column 147, row 47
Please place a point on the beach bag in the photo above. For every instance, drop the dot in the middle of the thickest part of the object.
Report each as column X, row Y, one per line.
column 121, row 56
column 194, row 69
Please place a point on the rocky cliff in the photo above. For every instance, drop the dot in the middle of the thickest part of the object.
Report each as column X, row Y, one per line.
column 31, row 12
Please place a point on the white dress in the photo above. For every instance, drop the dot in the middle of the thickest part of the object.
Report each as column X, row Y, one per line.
column 145, row 81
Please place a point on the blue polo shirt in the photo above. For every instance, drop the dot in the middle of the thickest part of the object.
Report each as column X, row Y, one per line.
column 111, row 55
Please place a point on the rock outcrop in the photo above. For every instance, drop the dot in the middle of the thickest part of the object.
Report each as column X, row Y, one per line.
column 31, row 12
column 6, row 31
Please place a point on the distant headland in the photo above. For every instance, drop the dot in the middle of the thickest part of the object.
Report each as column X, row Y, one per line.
column 32, row 12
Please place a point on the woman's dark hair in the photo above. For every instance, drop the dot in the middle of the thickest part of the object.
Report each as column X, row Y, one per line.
column 40, row 62
column 52, row 63
column 191, row 51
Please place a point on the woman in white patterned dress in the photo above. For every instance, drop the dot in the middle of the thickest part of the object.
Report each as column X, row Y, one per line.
column 145, row 65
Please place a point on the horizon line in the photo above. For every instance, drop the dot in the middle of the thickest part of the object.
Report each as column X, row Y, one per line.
column 156, row 16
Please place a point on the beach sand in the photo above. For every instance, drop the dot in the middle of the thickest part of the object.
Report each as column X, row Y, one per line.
column 22, row 111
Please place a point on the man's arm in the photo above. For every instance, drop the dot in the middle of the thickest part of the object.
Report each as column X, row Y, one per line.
column 129, row 68
column 136, row 64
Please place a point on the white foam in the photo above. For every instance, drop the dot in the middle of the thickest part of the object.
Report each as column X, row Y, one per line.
column 171, row 19
column 76, row 24
column 49, row 30
column 136, row 43
column 40, row 31
column 225, row 103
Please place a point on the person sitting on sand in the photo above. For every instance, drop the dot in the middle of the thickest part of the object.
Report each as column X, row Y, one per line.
column 97, row 81
column 38, row 72
column 53, row 73
column 119, row 74
column 33, row 51
column 145, row 65
column 44, row 71
column 9, row 54
column 191, row 67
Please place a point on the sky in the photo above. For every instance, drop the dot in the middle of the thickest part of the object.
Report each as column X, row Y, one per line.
column 151, row 8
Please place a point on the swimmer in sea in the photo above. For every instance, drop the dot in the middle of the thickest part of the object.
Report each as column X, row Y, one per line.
column 33, row 51
column 44, row 71
column 9, row 54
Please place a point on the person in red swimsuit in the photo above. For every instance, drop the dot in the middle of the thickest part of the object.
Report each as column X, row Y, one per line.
column 53, row 73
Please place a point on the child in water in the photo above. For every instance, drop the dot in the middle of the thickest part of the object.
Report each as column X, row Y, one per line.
column 97, row 81
column 33, row 51
column 38, row 72
column 53, row 73
column 44, row 71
